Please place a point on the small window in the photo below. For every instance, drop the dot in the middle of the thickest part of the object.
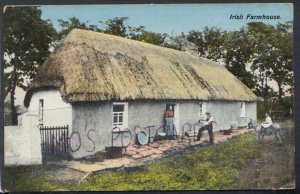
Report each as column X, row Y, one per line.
column 202, row 108
column 120, row 115
column 243, row 110
column 41, row 111
column 118, row 108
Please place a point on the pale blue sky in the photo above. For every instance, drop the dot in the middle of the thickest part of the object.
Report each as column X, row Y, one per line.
column 171, row 18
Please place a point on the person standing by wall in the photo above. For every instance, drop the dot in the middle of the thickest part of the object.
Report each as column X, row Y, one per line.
column 170, row 122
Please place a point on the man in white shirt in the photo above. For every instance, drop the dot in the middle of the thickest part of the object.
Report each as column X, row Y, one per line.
column 207, row 125
column 268, row 122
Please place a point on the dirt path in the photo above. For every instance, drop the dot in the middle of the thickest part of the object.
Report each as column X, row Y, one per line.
column 273, row 168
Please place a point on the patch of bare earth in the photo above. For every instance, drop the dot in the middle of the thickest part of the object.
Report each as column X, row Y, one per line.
column 273, row 168
column 66, row 175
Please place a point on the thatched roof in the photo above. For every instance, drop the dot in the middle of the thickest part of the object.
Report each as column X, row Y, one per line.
column 92, row 66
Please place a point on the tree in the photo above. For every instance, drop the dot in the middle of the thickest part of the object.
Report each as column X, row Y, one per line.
column 26, row 42
column 197, row 38
column 228, row 48
column 142, row 35
column 237, row 52
column 259, row 37
column 261, row 76
column 116, row 26
column 210, row 42
column 273, row 53
column 282, row 58
column 74, row 22
column 177, row 42
column 214, row 40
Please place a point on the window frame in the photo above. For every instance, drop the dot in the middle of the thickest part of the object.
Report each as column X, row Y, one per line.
column 243, row 110
column 41, row 111
column 124, row 114
column 202, row 108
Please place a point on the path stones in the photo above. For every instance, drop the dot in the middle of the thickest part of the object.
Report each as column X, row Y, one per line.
column 154, row 145
column 131, row 148
column 130, row 153
column 146, row 153
column 137, row 155
column 158, row 151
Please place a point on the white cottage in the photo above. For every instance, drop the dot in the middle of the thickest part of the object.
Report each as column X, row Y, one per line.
column 95, row 81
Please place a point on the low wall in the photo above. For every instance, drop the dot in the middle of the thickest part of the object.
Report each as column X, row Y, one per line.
column 22, row 143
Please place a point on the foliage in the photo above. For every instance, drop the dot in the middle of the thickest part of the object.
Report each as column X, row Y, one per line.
column 141, row 34
column 67, row 26
column 262, row 109
column 276, row 105
column 214, row 40
column 116, row 26
column 26, row 42
column 228, row 48
column 196, row 37
column 266, row 49
column 175, row 42
column 273, row 55
column 238, row 54
column 27, row 39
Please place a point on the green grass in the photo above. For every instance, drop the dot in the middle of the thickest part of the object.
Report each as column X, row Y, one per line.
column 31, row 178
column 206, row 168
column 203, row 168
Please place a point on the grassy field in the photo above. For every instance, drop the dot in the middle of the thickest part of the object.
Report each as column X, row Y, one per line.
column 214, row 167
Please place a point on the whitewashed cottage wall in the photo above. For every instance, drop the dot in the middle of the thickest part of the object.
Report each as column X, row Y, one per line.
column 56, row 111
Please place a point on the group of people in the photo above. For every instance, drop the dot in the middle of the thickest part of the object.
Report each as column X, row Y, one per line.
column 206, row 121
column 207, row 124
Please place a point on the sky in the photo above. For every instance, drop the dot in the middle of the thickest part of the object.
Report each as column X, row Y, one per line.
column 171, row 18
column 168, row 18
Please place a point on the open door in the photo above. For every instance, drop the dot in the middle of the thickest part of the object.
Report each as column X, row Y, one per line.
column 175, row 108
column 176, row 118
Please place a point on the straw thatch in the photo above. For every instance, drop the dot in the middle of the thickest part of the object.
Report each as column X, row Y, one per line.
column 92, row 66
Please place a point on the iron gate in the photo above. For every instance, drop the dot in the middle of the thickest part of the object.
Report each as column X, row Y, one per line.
column 54, row 142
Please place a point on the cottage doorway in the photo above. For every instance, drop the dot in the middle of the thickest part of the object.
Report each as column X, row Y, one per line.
column 175, row 109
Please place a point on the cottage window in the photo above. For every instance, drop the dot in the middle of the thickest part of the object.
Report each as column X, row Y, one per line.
column 41, row 111
column 243, row 110
column 120, row 115
column 202, row 108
